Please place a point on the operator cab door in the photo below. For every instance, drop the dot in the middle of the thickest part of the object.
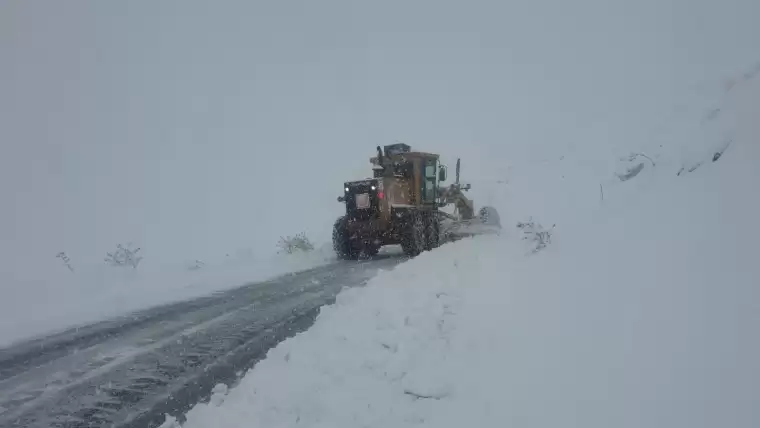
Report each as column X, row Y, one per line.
column 429, row 181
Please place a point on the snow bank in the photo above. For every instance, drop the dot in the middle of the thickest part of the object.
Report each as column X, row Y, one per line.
column 29, row 309
column 642, row 311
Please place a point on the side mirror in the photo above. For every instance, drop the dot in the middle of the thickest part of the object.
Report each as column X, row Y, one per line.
column 442, row 173
column 341, row 199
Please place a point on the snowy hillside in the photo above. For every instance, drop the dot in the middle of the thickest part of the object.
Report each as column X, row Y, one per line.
column 642, row 311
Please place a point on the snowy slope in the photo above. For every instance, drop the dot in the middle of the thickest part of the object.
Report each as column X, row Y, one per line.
column 642, row 311
column 93, row 293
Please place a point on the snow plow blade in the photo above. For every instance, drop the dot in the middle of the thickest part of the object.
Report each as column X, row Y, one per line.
column 486, row 223
column 459, row 230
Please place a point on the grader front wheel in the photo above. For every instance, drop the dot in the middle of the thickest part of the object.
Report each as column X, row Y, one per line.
column 413, row 242
column 341, row 242
column 432, row 233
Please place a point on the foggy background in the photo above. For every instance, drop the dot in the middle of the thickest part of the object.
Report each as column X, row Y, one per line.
column 195, row 129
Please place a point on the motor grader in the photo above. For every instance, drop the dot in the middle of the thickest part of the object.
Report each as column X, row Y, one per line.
column 401, row 204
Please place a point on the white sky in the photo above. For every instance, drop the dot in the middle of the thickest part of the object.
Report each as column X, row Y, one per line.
column 196, row 128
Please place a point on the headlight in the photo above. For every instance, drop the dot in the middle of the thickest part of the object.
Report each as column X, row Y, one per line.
column 346, row 189
column 374, row 188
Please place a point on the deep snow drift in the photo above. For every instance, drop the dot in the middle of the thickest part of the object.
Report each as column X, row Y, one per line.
column 643, row 310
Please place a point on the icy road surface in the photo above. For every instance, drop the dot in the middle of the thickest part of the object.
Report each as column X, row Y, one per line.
column 130, row 371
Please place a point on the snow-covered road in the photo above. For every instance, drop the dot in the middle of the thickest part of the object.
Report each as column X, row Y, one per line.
column 132, row 370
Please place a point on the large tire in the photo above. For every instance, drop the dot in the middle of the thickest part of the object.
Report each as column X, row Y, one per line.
column 341, row 242
column 432, row 232
column 413, row 241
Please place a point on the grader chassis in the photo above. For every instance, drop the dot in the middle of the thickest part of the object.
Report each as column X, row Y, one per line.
column 401, row 205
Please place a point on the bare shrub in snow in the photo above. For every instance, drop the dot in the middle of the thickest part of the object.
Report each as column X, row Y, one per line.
column 292, row 244
column 124, row 256
column 716, row 155
column 690, row 169
column 197, row 264
column 630, row 172
column 536, row 234
column 633, row 156
column 62, row 255
column 632, row 169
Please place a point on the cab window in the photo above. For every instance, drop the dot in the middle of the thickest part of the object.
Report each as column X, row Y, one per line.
column 429, row 181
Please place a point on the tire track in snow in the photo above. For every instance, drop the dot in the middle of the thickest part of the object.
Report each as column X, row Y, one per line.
column 130, row 372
